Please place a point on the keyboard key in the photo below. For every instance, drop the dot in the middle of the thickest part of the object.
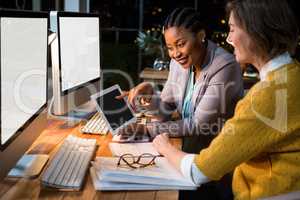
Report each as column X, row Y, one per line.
column 96, row 125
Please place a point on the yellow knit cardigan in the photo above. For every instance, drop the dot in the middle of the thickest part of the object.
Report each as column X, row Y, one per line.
column 261, row 143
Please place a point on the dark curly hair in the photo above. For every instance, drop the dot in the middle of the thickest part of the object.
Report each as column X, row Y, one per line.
column 187, row 18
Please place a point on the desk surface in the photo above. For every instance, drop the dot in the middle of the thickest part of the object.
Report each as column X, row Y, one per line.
column 47, row 143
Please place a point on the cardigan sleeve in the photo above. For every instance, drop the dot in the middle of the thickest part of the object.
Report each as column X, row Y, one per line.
column 250, row 132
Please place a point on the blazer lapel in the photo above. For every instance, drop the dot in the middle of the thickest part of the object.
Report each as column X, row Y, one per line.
column 199, row 89
column 203, row 81
column 182, row 80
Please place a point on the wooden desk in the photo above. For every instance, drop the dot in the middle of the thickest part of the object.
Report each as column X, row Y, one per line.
column 47, row 143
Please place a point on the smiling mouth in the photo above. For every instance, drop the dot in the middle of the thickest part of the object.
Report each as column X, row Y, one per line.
column 182, row 60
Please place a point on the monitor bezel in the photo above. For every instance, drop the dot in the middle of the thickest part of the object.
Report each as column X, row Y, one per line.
column 93, row 81
column 23, row 14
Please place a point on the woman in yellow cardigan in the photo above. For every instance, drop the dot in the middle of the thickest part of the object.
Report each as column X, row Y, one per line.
column 261, row 142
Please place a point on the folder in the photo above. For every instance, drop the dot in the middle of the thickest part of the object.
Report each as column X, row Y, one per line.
column 106, row 175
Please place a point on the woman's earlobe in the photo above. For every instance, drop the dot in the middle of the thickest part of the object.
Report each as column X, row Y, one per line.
column 201, row 36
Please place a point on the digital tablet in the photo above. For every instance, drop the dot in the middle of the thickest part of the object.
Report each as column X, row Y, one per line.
column 116, row 112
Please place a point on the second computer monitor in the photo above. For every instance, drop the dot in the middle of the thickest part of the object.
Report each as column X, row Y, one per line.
column 75, row 59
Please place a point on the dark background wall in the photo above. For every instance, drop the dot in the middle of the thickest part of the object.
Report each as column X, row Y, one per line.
column 122, row 19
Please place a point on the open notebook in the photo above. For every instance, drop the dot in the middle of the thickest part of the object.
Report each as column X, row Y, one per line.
column 106, row 175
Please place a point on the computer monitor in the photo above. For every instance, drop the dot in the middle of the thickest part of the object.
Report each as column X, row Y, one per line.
column 23, row 83
column 75, row 54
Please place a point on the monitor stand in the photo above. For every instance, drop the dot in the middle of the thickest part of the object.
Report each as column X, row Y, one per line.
column 29, row 166
column 73, row 117
column 84, row 111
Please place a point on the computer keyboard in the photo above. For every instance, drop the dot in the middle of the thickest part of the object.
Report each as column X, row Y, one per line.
column 96, row 125
column 69, row 166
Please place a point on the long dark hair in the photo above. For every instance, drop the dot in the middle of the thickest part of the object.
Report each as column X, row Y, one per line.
column 270, row 23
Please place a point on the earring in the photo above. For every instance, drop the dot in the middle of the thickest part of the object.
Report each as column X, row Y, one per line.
column 203, row 40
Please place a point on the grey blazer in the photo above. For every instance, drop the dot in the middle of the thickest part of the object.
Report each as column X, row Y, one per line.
column 215, row 95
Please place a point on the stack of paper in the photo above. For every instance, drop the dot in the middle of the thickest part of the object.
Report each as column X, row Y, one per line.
column 106, row 175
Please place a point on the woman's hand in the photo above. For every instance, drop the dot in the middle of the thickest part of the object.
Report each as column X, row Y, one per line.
column 162, row 144
column 139, row 96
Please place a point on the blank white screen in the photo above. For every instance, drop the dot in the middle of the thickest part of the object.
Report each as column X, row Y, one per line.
column 23, row 71
column 79, row 50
